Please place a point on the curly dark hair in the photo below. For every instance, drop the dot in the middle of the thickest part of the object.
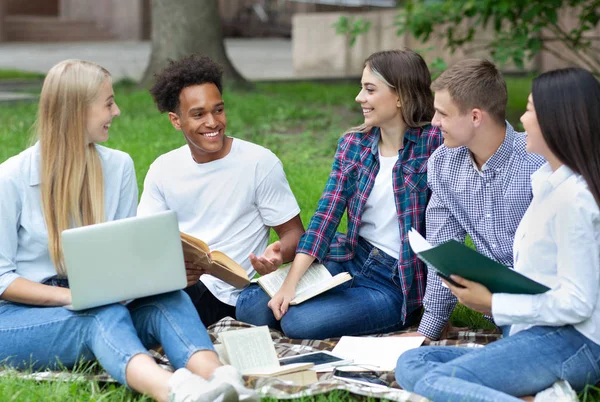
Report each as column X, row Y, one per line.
column 187, row 71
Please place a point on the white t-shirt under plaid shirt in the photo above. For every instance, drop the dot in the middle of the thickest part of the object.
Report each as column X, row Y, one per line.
column 487, row 204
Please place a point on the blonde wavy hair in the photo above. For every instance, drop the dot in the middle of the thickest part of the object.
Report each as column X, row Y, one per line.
column 406, row 73
column 72, row 183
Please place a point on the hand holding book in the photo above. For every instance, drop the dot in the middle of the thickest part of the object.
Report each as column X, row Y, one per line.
column 472, row 294
column 193, row 272
column 202, row 259
column 453, row 258
column 280, row 301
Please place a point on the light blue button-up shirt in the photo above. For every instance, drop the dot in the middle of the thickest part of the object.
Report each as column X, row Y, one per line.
column 23, row 235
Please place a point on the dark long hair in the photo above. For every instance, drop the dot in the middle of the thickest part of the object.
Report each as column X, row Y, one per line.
column 567, row 104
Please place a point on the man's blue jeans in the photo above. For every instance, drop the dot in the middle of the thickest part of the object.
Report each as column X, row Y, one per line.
column 371, row 303
column 53, row 337
column 519, row 365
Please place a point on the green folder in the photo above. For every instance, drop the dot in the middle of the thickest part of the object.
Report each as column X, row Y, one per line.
column 454, row 258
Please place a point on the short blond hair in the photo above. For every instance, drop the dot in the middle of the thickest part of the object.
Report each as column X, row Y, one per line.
column 475, row 83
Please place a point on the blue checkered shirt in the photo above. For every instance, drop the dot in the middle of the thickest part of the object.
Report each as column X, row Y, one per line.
column 486, row 204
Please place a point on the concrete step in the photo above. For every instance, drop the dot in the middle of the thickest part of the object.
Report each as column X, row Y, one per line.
column 14, row 97
column 27, row 28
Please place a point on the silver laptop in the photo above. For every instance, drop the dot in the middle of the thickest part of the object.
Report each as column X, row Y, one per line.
column 122, row 260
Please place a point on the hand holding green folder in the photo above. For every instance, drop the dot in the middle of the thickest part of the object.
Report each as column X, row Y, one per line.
column 454, row 258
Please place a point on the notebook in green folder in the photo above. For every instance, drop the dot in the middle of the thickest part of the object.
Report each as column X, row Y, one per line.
column 454, row 258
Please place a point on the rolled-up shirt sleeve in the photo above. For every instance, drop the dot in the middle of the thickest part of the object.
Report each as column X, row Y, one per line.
column 10, row 211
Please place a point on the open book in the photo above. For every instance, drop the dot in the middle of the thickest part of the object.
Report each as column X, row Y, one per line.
column 252, row 352
column 315, row 281
column 215, row 263
column 454, row 258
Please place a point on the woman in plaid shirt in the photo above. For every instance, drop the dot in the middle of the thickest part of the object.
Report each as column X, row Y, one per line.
column 379, row 178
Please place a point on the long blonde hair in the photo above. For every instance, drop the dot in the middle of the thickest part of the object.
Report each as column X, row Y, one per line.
column 72, row 183
column 406, row 73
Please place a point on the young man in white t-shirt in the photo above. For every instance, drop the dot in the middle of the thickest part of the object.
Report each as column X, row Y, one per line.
column 225, row 191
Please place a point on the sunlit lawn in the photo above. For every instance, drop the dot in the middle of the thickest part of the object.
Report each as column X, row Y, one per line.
column 300, row 122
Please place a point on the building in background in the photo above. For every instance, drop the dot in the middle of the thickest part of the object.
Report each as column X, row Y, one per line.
column 101, row 20
column 317, row 50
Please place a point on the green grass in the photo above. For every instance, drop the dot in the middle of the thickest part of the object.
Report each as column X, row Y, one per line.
column 14, row 389
column 519, row 89
column 300, row 122
column 19, row 75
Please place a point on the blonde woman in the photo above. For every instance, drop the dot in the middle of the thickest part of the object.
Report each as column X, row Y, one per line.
column 67, row 180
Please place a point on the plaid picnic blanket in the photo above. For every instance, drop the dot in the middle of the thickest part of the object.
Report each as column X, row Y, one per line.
column 275, row 388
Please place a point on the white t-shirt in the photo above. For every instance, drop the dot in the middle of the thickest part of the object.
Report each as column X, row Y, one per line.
column 229, row 203
column 379, row 223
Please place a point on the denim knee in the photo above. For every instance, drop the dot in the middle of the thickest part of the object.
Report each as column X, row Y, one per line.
column 410, row 368
column 422, row 386
column 113, row 339
column 109, row 315
column 300, row 326
column 252, row 307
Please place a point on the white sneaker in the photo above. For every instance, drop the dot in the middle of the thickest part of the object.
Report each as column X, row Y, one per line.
column 230, row 375
column 560, row 391
column 187, row 387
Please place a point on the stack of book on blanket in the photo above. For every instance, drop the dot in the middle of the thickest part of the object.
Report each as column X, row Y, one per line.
column 252, row 352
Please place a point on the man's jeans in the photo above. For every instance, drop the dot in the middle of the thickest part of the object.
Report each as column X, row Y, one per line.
column 519, row 365
column 371, row 303
column 53, row 337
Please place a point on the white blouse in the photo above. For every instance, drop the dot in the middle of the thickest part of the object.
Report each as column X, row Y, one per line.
column 557, row 243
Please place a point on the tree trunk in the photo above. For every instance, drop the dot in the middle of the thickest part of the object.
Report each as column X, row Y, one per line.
column 183, row 27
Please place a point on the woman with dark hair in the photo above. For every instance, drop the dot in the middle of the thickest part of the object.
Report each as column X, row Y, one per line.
column 555, row 336
column 379, row 179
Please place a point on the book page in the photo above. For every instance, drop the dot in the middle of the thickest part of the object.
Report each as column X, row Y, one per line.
column 273, row 281
column 194, row 241
column 250, row 350
column 222, row 353
column 228, row 263
column 382, row 352
column 321, row 287
column 315, row 275
column 418, row 242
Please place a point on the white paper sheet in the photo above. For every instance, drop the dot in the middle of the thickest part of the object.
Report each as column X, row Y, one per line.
column 382, row 352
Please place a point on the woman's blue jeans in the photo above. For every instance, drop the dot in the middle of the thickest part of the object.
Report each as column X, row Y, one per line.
column 519, row 365
column 53, row 337
column 371, row 303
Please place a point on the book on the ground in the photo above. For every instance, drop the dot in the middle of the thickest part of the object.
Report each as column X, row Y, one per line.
column 215, row 263
column 454, row 258
column 376, row 353
column 252, row 352
column 315, row 281
column 304, row 377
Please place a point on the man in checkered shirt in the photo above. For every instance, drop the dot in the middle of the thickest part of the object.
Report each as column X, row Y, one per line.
column 479, row 178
